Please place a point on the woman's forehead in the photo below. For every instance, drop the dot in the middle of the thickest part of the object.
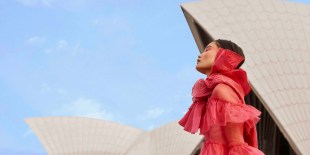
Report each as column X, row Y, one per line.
column 212, row 44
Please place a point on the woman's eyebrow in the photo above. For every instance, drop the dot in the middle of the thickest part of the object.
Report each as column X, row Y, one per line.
column 208, row 46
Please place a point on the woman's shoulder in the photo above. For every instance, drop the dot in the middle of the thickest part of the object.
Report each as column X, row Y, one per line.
column 225, row 92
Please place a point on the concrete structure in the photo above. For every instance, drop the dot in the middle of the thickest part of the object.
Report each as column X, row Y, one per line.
column 87, row 136
column 275, row 36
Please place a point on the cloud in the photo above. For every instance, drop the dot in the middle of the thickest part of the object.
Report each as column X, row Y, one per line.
column 63, row 46
column 46, row 88
column 152, row 116
column 35, row 40
column 62, row 92
column 153, row 113
column 86, row 108
column 28, row 132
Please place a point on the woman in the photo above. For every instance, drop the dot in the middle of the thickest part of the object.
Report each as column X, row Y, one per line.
column 218, row 109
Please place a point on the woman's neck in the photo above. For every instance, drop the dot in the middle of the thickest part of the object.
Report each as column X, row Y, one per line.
column 208, row 72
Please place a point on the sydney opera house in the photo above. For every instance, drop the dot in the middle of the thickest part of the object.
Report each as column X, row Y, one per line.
column 275, row 36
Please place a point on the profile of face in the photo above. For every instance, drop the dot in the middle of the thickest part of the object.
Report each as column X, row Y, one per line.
column 206, row 58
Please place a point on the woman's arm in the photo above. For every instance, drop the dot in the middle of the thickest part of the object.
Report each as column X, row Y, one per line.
column 233, row 132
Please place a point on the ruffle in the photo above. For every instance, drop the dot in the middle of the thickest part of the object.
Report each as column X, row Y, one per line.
column 203, row 115
column 213, row 148
column 243, row 149
column 192, row 119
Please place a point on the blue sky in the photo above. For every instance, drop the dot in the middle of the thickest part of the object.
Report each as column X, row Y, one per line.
column 128, row 61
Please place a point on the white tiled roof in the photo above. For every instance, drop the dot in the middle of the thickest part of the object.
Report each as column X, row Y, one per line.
column 275, row 36
column 87, row 136
column 171, row 139
column 76, row 135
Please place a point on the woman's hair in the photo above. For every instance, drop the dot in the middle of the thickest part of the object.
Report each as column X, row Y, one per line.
column 227, row 44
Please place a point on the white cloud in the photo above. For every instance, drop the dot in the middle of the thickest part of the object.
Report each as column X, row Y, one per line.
column 46, row 88
column 35, row 40
column 153, row 113
column 86, row 108
column 62, row 92
column 62, row 44
column 28, row 132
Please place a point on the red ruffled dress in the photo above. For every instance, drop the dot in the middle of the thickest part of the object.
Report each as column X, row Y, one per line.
column 219, row 111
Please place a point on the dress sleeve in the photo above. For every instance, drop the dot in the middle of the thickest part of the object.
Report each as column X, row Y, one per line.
column 237, row 117
column 225, row 93
column 224, row 106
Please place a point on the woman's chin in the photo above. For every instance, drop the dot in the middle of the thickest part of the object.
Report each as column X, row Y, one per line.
column 201, row 70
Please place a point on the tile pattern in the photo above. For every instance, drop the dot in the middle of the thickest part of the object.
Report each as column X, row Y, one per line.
column 171, row 139
column 87, row 136
column 275, row 36
column 82, row 136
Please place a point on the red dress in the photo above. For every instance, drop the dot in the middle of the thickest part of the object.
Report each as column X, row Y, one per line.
column 219, row 111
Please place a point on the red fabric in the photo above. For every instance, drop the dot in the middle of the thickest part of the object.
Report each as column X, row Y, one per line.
column 219, row 116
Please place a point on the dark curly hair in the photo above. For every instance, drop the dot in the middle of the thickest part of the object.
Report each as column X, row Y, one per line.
column 227, row 44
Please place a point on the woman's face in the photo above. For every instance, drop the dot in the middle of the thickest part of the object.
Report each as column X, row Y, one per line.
column 206, row 59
